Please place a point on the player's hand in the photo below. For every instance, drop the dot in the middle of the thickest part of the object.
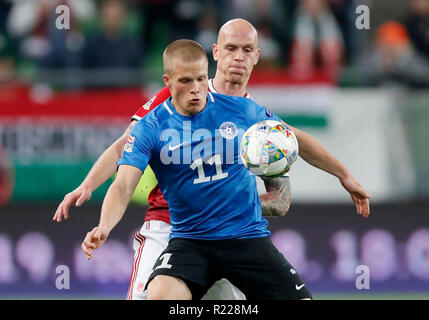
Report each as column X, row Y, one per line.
column 358, row 194
column 93, row 240
column 77, row 197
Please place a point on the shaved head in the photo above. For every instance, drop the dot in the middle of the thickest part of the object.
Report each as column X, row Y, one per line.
column 236, row 53
column 185, row 74
column 184, row 50
column 237, row 27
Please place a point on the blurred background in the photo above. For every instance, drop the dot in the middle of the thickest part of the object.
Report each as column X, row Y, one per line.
column 67, row 94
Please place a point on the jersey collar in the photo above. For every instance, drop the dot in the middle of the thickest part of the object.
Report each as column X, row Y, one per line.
column 172, row 111
column 212, row 89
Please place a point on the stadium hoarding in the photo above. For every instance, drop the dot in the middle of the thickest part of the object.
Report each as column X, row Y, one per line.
column 53, row 143
column 325, row 243
column 53, row 139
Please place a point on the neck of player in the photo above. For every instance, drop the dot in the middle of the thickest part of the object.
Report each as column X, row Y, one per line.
column 223, row 86
column 190, row 109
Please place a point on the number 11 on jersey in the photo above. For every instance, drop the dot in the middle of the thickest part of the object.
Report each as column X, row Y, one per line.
column 198, row 164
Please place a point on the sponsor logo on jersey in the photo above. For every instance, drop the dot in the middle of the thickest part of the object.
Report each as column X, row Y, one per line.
column 171, row 148
column 228, row 130
column 147, row 105
column 129, row 144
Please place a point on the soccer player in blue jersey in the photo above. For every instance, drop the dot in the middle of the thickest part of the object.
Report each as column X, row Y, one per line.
column 191, row 143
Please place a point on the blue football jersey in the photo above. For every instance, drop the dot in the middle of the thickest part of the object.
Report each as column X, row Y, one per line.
column 196, row 160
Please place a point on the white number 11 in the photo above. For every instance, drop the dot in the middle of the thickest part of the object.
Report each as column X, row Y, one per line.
column 198, row 164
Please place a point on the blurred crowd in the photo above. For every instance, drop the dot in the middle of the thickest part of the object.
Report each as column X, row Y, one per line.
column 118, row 42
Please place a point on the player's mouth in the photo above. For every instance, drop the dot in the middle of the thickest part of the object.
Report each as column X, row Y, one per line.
column 237, row 69
column 238, row 66
column 195, row 101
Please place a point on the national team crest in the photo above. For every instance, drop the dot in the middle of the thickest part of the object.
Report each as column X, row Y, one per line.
column 129, row 144
column 228, row 130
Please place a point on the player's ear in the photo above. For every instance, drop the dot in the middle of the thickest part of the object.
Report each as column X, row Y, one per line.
column 215, row 51
column 166, row 80
column 258, row 52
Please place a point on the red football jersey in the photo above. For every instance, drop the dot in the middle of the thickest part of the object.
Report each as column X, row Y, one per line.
column 158, row 206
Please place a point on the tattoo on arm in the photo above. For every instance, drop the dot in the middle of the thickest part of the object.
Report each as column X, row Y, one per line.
column 276, row 202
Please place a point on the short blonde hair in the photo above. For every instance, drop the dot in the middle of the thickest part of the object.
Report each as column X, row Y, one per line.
column 185, row 50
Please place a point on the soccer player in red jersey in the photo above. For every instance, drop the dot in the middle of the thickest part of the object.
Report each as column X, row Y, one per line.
column 236, row 53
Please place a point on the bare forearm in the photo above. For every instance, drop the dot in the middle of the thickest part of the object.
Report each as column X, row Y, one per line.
column 314, row 153
column 318, row 156
column 118, row 196
column 114, row 205
column 276, row 202
column 102, row 169
column 105, row 166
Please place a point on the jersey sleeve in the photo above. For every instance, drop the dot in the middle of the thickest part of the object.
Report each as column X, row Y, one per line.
column 268, row 115
column 156, row 100
column 140, row 145
column 259, row 113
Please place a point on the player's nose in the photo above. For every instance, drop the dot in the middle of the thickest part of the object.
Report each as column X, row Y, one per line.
column 239, row 55
column 195, row 87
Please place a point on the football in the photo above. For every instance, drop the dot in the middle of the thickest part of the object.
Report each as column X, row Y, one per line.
column 269, row 148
